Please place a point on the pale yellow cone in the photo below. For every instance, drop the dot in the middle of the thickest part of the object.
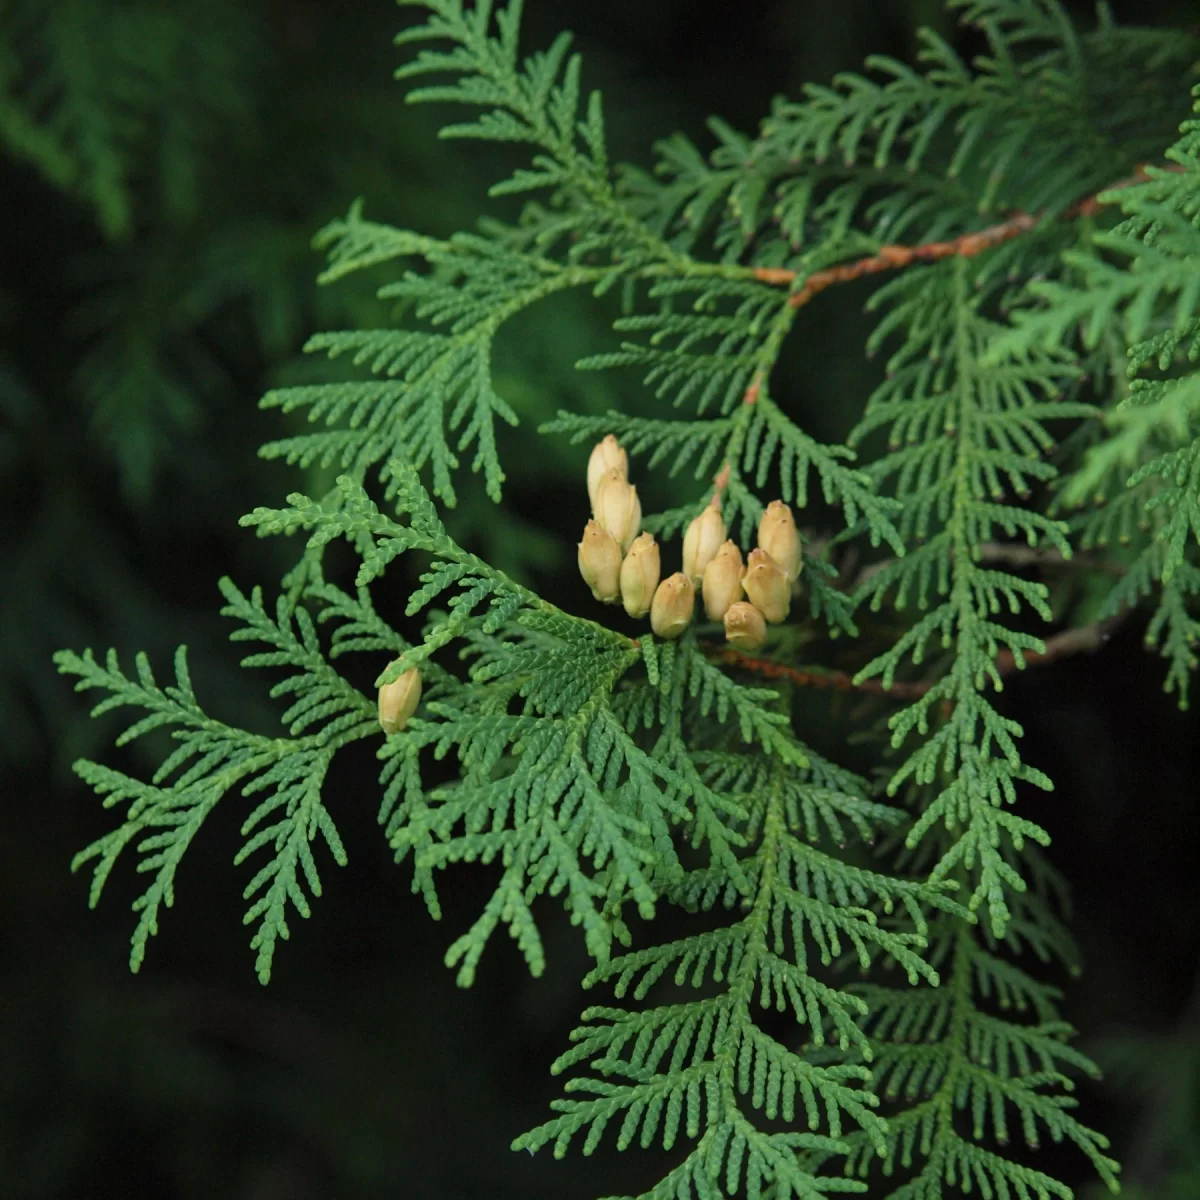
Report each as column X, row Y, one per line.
column 767, row 586
column 778, row 537
column 701, row 542
column 745, row 628
column 606, row 456
column 599, row 560
column 617, row 508
column 722, row 581
column 674, row 603
column 639, row 575
column 398, row 700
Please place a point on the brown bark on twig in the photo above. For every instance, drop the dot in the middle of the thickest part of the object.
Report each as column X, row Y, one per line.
column 817, row 677
column 893, row 257
column 1085, row 638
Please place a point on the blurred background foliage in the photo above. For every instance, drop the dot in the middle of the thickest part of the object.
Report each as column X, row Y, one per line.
column 164, row 167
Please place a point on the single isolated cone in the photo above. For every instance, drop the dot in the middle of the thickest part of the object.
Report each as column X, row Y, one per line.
column 701, row 542
column 745, row 628
column 778, row 537
column 767, row 586
column 600, row 562
column 398, row 700
column 606, row 456
column 674, row 601
column 722, row 581
column 617, row 507
column 639, row 575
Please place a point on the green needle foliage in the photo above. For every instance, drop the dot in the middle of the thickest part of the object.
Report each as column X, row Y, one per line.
column 961, row 439
column 703, row 1063
column 162, row 818
column 1039, row 355
column 1145, row 473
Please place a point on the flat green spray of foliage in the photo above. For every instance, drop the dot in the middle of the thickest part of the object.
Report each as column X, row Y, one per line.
column 1040, row 402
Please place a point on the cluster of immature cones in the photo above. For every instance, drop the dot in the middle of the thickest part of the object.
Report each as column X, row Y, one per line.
column 622, row 565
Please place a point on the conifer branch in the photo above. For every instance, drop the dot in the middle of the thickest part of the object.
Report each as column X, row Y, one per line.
column 212, row 759
column 619, row 774
column 1143, row 469
column 654, row 1065
column 947, row 1057
column 958, row 479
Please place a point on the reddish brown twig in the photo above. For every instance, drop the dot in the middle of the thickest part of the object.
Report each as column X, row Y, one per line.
column 817, row 677
column 1085, row 638
column 721, row 478
column 720, row 483
column 893, row 257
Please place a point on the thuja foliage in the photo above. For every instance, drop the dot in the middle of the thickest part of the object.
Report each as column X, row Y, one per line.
column 167, row 164
column 868, row 1003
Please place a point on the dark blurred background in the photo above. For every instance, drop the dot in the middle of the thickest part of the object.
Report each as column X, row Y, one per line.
column 164, row 167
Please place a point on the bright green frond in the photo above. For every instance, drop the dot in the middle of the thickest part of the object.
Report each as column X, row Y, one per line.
column 914, row 156
column 1141, row 278
column 704, row 1068
column 164, row 816
column 977, row 1063
column 963, row 439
